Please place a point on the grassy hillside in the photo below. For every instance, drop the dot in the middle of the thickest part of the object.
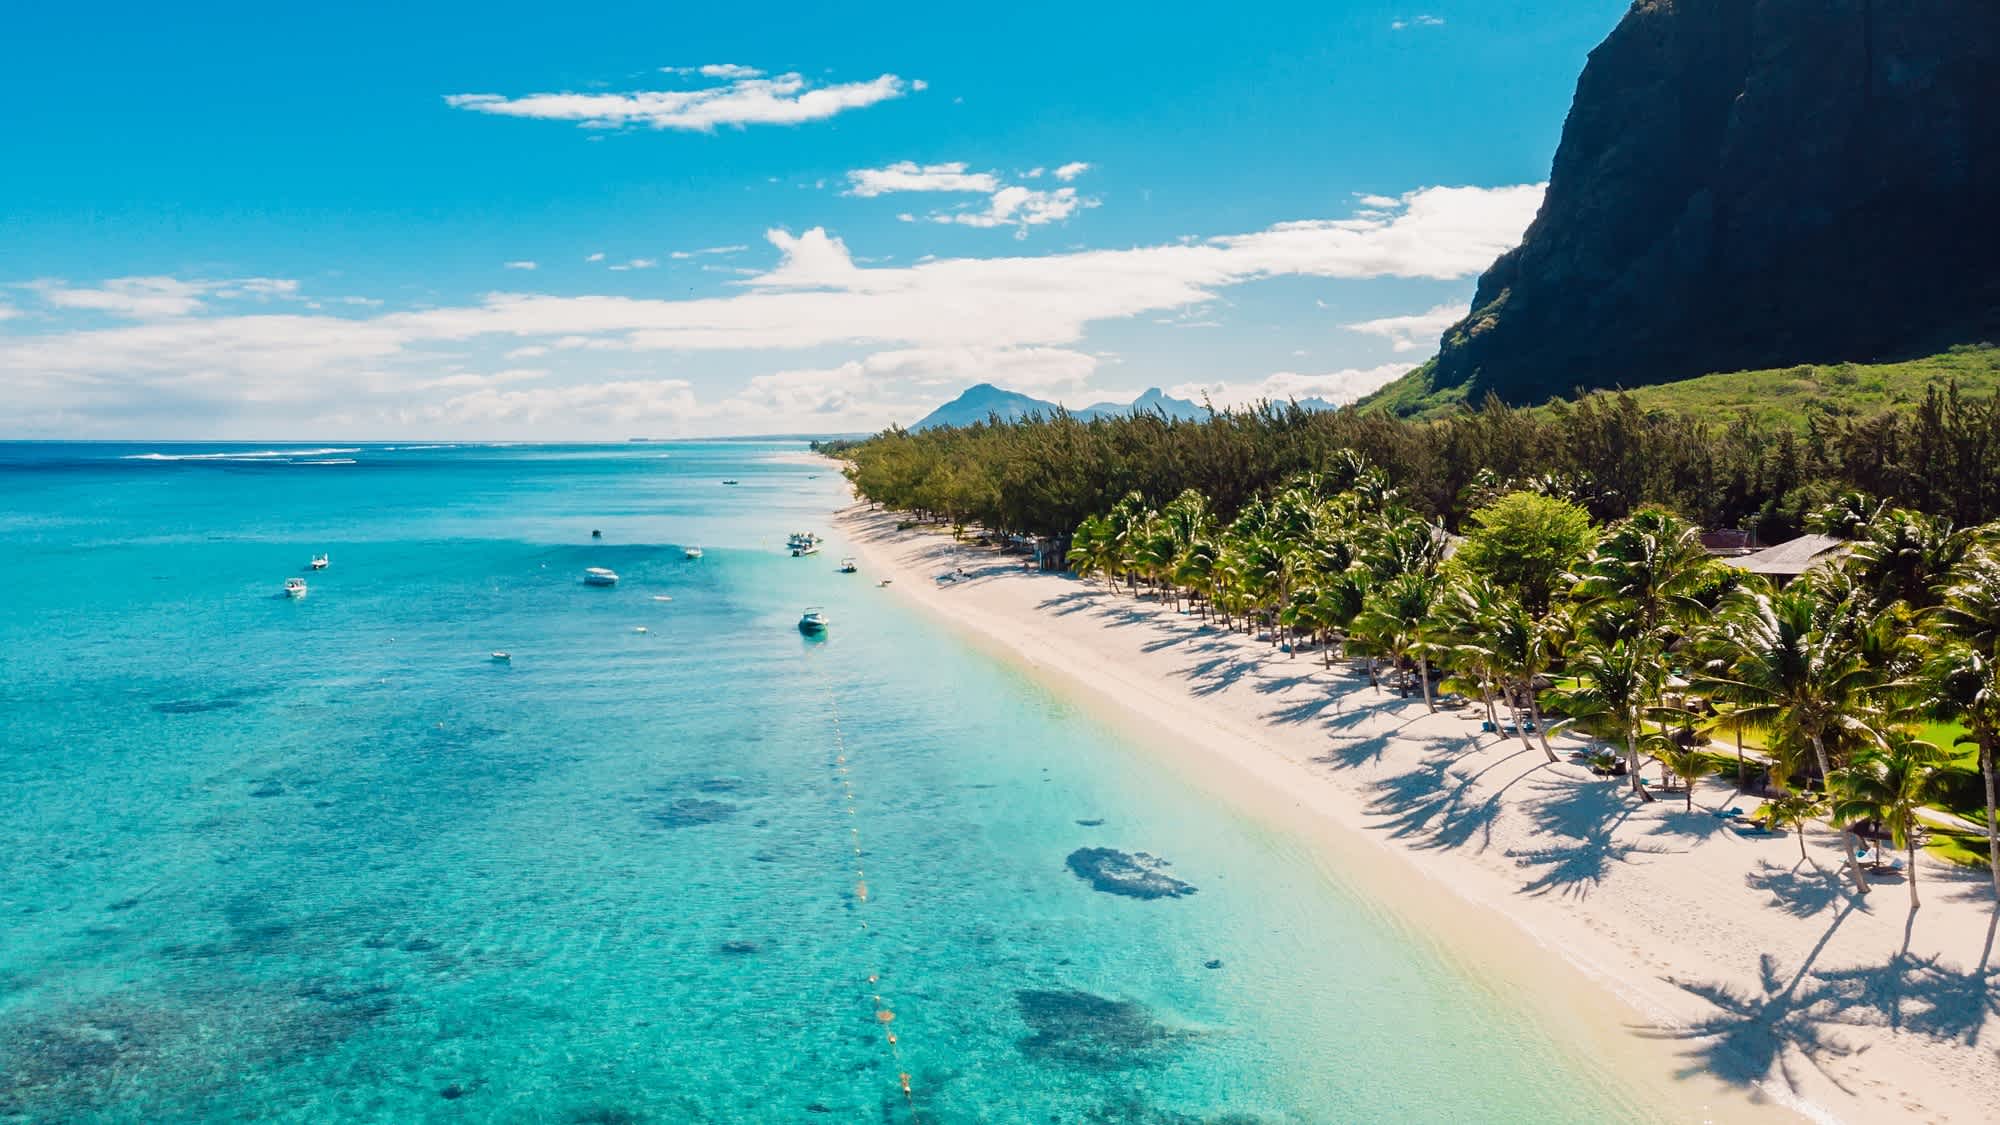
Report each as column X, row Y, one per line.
column 1786, row 395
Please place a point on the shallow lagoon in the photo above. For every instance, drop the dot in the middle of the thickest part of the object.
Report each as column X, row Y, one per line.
column 325, row 860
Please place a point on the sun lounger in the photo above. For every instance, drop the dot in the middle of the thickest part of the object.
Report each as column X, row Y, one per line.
column 1753, row 828
column 1729, row 814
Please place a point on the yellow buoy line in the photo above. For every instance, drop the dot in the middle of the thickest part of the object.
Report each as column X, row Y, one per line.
column 885, row 1016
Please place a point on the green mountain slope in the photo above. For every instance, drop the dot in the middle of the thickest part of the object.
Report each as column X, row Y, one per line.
column 1786, row 395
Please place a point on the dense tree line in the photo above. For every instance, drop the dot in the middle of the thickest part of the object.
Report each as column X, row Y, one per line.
column 1579, row 583
column 1632, row 631
column 1043, row 475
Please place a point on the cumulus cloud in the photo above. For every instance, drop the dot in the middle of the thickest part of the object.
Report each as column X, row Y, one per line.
column 596, row 256
column 521, row 265
column 783, row 99
column 908, row 175
column 1007, row 205
column 1419, row 330
column 1336, row 387
column 1417, row 21
column 1011, row 319
column 1020, row 208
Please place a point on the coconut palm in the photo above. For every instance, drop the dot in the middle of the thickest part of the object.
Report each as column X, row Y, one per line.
column 1651, row 566
column 1794, row 811
column 1688, row 763
column 1397, row 622
column 1782, row 667
column 1612, row 694
column 1888, row 784
column 1963, row 674
column 1093, row 549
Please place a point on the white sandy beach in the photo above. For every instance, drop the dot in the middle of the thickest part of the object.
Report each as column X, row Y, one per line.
column 1662, row 938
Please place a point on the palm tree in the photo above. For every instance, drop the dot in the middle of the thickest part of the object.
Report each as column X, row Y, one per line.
column 1397, row 622
column 1781, row 667
column 1685, row 762
column 1093, row 549
column 1888, row 784
column 1651, row 565
column 1614, row 691
column 1794, row 811
column 1963, row 674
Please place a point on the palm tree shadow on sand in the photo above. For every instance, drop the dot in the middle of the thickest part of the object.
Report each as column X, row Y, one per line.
column 1792, row 1021
column 1588, row 816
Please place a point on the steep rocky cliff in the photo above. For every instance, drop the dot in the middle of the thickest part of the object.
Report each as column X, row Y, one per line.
column 1754, row 183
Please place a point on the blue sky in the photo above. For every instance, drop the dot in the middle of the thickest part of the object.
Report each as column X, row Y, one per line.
column 285, row 221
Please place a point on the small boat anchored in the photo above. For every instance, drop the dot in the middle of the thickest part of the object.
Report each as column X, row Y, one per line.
column 295, row 587
column 502, row 657
column 319, row 561
column 732, row 480
column 803, row 543
column 813, row 622
column 847, row 566
column 599, row 576
column 692, row 552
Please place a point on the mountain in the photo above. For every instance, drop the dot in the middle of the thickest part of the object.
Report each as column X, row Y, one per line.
column 1750, row 184
column 1153, row 401
column 981, row 401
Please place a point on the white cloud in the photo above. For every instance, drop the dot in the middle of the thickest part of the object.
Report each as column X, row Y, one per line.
column 635, row 264
column 1011, row 319
column 1380, row 201
column 684, row 255
column 1336, row 387
column 784, row 99
column 521, row 265
column 153, row 298
column 1006, row 205
column 598, row 256
column 729, row 70
column 1420, row 330
column 8, row 312
column 908, row 175
column 1419, row 21
column 1020, row 208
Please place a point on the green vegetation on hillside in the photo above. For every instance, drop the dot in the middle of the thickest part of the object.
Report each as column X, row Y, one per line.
column 1789, row 396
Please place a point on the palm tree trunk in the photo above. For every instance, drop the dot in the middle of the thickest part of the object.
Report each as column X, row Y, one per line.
column 1632, row 762
column 1819, row 752
column 1854, row 863
column 1535, row 715
column 1486, row 697
column 1992, row 831
column 1424, row 680
column 1910, row 845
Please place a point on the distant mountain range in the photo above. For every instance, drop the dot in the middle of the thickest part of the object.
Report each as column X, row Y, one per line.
column 979, row 403
column 985, row 400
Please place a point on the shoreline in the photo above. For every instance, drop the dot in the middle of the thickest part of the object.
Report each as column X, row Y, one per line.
column 1648, row 905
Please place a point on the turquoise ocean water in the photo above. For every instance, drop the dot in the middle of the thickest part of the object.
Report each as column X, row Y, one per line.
column 324, row 860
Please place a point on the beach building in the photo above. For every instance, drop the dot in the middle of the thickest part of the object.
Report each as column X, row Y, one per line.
column 1792, row 558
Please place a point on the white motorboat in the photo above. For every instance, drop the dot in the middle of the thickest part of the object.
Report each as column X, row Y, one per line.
column 599, row 576
column 692, row 552
column 847, row 566
column 803, row 543
column 319, row 562
column 295, row 587
column 502, row 657
column 813, row 621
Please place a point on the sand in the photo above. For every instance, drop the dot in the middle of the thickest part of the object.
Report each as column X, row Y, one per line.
column 1730, row 978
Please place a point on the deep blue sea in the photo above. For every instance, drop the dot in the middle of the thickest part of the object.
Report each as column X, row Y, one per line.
column 326, row 860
